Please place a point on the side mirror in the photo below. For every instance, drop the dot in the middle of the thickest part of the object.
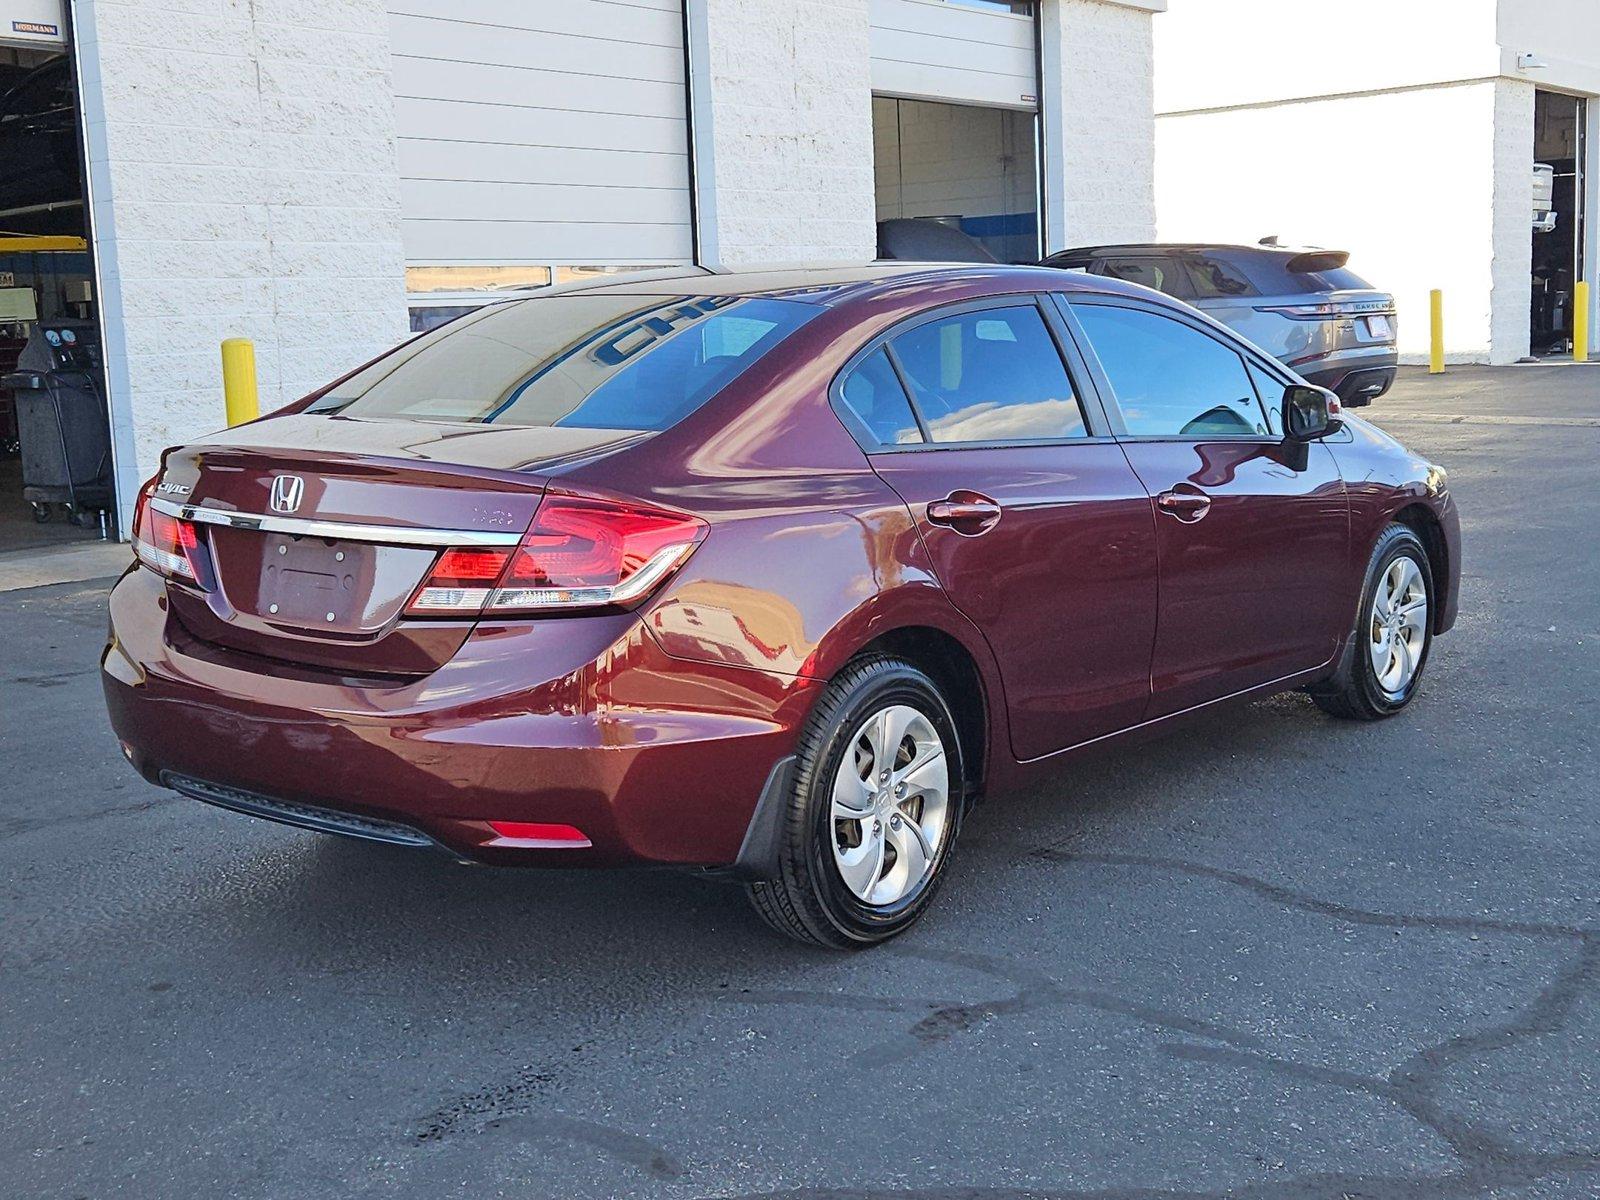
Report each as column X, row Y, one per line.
column 1309, row 412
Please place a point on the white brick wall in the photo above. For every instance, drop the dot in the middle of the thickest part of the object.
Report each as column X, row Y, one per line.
column 783, row 130
column 243, row 173
column 1098, row 68
column 1511, row 272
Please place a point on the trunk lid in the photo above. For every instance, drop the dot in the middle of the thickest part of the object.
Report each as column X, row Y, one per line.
column 320, row 528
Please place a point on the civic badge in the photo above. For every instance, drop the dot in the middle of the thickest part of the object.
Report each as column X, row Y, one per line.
column 287, row 491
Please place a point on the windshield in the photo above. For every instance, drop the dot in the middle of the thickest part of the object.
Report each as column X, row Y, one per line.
column 591, row 361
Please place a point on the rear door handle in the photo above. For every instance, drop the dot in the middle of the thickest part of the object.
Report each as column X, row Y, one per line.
column 1186, row 506
column 966, row 512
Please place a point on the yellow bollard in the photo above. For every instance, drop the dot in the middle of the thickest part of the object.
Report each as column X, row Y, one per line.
column 1580, row 322
column 1436, row 332
column 239, row 381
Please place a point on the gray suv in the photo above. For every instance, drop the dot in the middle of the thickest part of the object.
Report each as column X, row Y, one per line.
column 1304, row 307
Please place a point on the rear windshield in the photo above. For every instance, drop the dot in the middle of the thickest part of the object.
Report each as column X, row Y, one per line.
column 591, row 361
column 1272, row 277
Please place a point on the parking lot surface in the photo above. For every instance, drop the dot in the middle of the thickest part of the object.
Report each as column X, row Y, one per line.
column 1274, row 955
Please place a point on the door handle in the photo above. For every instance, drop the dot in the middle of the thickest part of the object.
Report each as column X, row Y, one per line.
column 966, row 512
column 1186, row 506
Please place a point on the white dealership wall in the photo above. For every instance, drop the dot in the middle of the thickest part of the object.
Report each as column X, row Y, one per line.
column 243, row 184
column 1412, row 147
column 244, row 175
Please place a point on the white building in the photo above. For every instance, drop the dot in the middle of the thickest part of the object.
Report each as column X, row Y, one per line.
column 1404, row 131
column 323, row 175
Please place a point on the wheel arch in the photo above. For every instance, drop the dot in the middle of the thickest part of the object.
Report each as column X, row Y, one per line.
column 954, row 669
column 1424, row 522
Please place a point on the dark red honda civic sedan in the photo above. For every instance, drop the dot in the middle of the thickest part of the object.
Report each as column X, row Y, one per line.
column 771, row 575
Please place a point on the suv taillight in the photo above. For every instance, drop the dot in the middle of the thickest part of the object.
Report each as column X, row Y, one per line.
column 164, row 543
column 580, row 552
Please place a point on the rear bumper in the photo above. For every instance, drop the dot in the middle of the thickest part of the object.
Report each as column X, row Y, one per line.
column 1357, row 379
column 583, row 722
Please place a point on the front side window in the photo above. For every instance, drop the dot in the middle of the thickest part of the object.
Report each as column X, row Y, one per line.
column 1271, row 390
column 873, row 392
column 592, row 361
column 990, row 375
column 1170, row 379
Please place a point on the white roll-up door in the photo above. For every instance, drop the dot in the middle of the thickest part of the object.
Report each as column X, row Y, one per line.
column 542, row 133
column 954, row 51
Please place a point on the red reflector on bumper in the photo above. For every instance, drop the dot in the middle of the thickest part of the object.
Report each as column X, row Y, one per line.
column 535, row 836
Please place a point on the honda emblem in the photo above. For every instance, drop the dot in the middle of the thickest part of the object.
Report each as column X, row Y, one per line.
column 287, row 491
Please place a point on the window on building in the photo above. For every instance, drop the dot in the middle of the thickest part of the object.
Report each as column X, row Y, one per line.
column 1021, row 8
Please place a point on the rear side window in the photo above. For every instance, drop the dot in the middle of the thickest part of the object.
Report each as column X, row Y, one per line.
column 1163, row 274
column 990, row 375
column 592, row 361
column 873, row 392
column 1213, row 278
column 1170, row 379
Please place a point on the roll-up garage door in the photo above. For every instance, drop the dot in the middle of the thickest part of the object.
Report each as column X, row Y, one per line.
column 541, row 133
column 956, row 51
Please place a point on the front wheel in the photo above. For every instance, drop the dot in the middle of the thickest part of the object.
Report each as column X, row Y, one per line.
column 874, row 812
column 1382, row 666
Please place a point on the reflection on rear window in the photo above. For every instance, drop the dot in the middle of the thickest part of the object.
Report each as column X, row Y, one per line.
column 593, row 361
column 1271, row 275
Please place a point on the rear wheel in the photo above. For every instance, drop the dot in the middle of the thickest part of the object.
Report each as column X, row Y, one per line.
column 874, row 812
column 1382, row 666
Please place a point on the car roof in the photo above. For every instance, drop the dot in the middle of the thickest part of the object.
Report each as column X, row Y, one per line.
column 831, row 285
column 1182, row 248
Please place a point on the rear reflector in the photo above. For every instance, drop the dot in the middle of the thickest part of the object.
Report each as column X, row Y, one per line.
column 532, row 835
column 580, row 552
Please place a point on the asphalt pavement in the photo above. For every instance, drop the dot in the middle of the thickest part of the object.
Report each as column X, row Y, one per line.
column 1274, row 955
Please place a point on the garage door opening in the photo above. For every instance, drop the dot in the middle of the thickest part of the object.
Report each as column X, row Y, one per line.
column 55, row 443
column 972, row 168
column 1558, row 219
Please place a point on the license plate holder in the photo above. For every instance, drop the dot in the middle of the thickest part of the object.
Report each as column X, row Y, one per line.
column 314, row 581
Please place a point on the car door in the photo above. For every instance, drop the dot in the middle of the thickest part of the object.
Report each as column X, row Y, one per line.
column 1035, row 523
column 1252, row 532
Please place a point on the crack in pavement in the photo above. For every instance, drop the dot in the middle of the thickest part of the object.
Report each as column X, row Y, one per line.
column 1487, row 1160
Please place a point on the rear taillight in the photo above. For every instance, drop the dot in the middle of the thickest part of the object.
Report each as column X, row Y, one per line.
column 163, row 543
column 460, row 581
column 1329, row 310
column 581, row 552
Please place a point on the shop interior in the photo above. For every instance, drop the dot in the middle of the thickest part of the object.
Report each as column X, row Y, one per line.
column 55, row 446
column 1558, row 217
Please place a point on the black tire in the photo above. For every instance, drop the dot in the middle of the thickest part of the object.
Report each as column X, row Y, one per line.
column 1353, row 691
column 809, row 899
